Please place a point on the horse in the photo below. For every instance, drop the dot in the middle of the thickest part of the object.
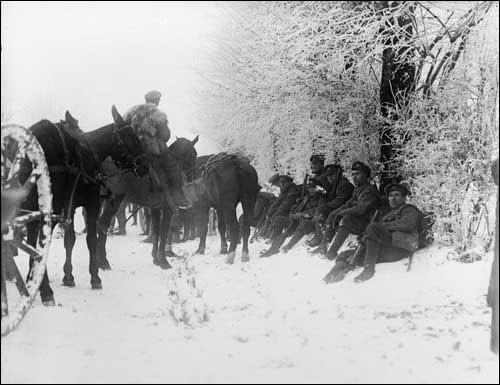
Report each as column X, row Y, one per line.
column 227, row 180
column 141, row 191
column 74, row 158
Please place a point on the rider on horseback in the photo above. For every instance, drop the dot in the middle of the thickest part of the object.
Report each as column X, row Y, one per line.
column 151, row 125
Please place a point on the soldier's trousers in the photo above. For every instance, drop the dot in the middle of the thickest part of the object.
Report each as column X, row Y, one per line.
column 379, row 246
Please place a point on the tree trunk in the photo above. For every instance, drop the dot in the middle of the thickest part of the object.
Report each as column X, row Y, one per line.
column 397, row 84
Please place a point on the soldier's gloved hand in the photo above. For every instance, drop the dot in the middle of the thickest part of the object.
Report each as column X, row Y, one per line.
column 296, row 216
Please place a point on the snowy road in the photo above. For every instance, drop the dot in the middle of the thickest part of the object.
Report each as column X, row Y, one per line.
column 268, row 320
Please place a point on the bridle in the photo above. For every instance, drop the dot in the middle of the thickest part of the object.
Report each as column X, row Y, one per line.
column 125, row 162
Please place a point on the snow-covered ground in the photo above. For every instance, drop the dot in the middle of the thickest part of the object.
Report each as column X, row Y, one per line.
column 270, row 320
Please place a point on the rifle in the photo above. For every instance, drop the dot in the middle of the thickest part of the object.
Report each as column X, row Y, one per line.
column 337, row 275
column 304, row 186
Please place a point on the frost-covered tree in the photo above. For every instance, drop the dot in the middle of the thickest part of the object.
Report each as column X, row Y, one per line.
column 352, row 80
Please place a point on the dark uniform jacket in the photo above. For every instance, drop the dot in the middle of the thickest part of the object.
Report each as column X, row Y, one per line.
column 339, row 193
column 403, row 223
column 364, row 200
column 285, row 201
column 320, row 179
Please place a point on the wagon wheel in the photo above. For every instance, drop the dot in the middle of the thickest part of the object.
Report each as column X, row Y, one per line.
column 142, row 221
column 20, row 147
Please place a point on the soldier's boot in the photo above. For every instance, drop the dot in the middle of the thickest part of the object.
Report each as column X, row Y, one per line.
column 275, row 246
column 318, row 237
column 337, row 273
column 174, row 182
column 338, row 241
column 367, row 273
column 296, row 237
column 327, row 238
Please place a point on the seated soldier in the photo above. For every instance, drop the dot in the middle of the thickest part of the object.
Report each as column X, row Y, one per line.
column 315, row 204
column 339, row 193
column 392, row 238
column 280, row 219
column 151, row 126
column 266, row 229
column 304, row 204
column 317, row 165
column 262, row 204
column 354, row 215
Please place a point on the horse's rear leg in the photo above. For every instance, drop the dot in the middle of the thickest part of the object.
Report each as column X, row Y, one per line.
column 245, row 227
column 92, row 215
column 229, row 214
column 110, row 208
column 221, row 225
column 69, row 243
column 202, row 229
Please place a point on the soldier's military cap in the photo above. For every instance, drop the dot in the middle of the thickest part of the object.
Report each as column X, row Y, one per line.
column 286, row 177
column 397, row 187
column 152, row 95
column 317, row 158
column 332, row 169
column 360, row 166
column 274, row 179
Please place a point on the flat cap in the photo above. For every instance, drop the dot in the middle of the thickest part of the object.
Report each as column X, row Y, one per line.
column 152, row 95
column 397, row 187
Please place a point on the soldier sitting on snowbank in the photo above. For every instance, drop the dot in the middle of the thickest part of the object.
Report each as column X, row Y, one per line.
column 391, row 239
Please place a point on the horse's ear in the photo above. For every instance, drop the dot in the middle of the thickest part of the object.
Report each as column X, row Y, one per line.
column 117, row 117
column 195, row 140
column 69, row 118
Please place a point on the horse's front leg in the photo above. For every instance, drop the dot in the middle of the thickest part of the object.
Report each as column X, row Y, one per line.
column 110, row 207
column 69, row 243
column 165, row 236
column 92, row 216
column 46, row 293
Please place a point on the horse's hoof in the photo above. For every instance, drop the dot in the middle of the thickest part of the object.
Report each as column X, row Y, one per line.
column 223, row 251
column 104, row 265
column 49, row 301
column 171, row 254
column 200, row 251
column 245, row 257
column 96, row 286
column 68, row 282
column 163, row 263
column 230, row 258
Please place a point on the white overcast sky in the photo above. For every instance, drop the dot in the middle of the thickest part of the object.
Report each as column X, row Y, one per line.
column 86, row 56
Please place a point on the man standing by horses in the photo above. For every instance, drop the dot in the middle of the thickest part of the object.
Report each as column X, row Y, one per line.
column 151, row 126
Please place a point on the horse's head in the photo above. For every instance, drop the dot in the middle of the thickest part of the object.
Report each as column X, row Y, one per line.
column 128, row 152
column 185, row 154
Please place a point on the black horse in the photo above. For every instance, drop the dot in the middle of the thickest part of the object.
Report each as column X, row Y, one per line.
column 74, row 158
column 227, row 180
column 144, row 192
